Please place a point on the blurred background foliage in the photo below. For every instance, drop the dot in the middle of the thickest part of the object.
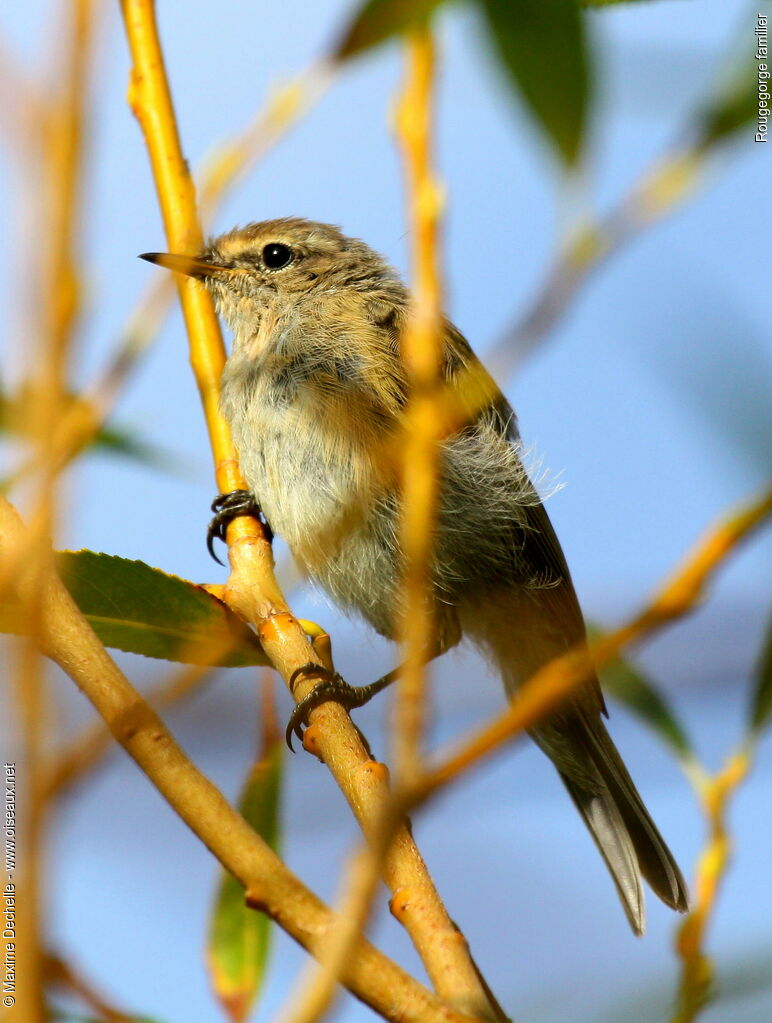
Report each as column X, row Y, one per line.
column 653, row 392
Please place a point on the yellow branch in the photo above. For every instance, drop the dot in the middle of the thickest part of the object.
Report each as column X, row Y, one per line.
column 150, row 100
column 697, row 971
column 421, row 352
column 95, row 742
column 60, row 121
column 443, row 947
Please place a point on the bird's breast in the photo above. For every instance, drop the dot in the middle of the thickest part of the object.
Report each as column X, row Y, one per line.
column 298, row 451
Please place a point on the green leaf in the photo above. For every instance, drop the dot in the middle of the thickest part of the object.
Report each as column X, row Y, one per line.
column 732, row 104
column 627, row 685
column 733, row 107
column 612, row 3
column 239, row 938
column 379, row 20
column 142, row 610
column 761, row 705
column 542, row 46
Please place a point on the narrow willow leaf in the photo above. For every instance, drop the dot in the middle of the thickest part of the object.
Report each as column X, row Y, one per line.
column 142, row 610
column 761, row 705
column 542, row 46
column 379, row 20
column 121, row 441
column 613, row 3
column 239, row 940
column 732, row 107
column 627, row 685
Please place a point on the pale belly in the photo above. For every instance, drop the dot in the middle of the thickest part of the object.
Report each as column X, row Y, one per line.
column 317, row 493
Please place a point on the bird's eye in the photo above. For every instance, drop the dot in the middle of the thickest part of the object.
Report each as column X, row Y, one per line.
column 276, row 255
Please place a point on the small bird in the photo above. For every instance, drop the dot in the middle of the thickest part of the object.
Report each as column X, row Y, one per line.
column 313, row 389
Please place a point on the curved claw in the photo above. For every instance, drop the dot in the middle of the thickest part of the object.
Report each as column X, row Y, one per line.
column 322, row 691
column 211, row 534
column 227, row 507
column 330, row 689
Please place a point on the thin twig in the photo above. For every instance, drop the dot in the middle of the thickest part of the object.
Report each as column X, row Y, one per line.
column 421, row 352
column 235, row 158
column 658, row 193
column 697, row 970
column 313, row 993
column 61, row 121
column 61, row 973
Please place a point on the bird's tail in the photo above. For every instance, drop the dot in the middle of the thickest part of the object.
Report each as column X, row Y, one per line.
column 606, row 797
column 522, row 630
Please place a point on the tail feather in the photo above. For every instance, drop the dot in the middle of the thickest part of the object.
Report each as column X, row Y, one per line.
column 607, row 828
column 616, row 817
column 655, row 860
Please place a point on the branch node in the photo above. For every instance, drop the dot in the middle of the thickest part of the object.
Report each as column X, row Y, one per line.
column 311, row 741
column 376, row 769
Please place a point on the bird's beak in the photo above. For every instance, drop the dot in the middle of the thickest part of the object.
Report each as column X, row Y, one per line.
column 189, row 265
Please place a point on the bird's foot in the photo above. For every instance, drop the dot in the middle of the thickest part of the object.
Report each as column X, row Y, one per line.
column 227, row 507
column 333, row 688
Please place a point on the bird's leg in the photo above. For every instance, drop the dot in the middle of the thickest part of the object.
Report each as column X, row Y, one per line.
column 332, row 688
column 335, row 688
column 227, row 507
